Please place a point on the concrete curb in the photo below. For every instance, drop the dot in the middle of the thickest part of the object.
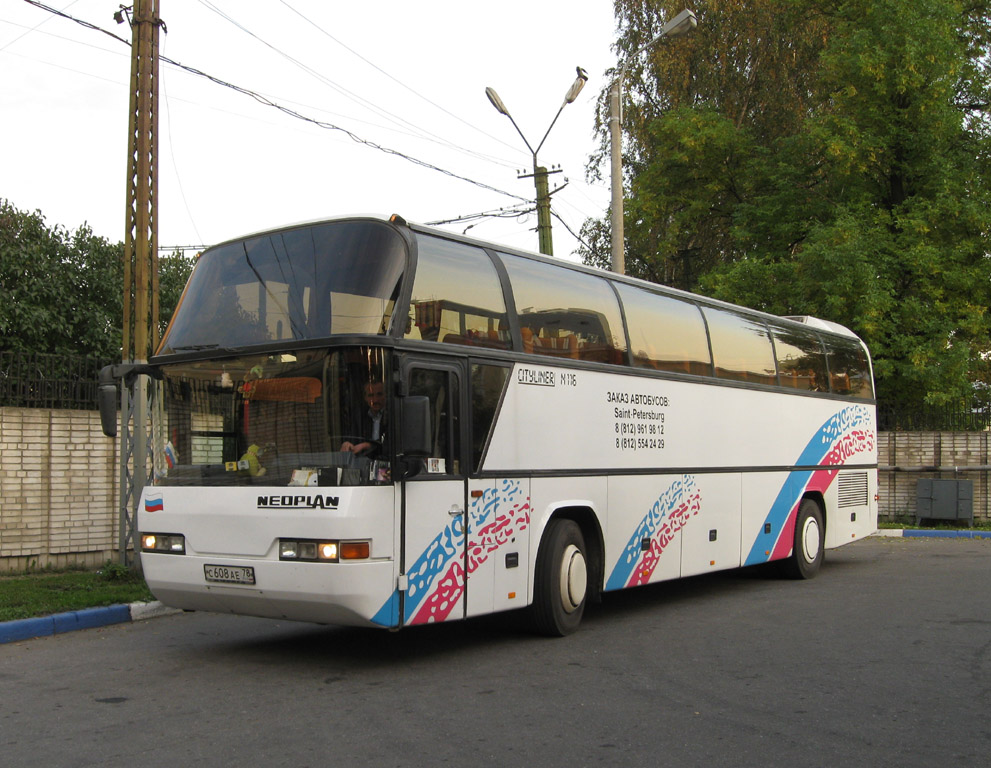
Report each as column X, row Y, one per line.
column 88, row 618
column 925, row 533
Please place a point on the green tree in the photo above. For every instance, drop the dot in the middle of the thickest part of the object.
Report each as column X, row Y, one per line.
column 868, row 204
column 61, row 292
column 696, row 113
column 882, row 217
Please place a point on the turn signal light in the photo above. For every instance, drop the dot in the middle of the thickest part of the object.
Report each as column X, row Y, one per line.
column 355, row 550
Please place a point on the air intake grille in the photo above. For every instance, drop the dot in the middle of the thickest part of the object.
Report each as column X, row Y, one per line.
column 852, row 487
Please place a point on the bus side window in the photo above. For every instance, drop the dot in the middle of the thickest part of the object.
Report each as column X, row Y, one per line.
column 566, row 314
column 801, row 360
column 457, row 297
column 849, row 373
column 741, row 347
column 487, row 385
column 440, row 387
column 666, row 334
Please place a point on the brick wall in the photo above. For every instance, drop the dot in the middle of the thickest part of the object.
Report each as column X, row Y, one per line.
column 58, row 489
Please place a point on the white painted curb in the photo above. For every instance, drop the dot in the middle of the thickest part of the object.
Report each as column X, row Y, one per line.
column 140, row 611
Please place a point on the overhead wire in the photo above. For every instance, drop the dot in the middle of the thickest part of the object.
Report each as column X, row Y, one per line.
column 420, row 132
column 512, row 212
column 264, row 100
column 395, row 79
column 32, row 29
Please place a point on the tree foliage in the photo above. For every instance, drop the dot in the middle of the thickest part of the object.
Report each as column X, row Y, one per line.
column 821, row 158
column 61, row 292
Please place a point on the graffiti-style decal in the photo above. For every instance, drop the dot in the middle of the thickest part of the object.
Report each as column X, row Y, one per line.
column 436, row 579
column 666, row 517
column 846, row 434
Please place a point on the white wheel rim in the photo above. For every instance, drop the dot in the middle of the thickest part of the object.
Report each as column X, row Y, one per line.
column 811, row 538
column 574, row 578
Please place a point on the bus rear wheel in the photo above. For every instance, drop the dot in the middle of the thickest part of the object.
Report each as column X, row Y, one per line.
column 807, row 554
column 560, row 580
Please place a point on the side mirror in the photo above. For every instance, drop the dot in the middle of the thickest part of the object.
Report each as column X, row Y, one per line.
column 108, row 401
column 415, row 441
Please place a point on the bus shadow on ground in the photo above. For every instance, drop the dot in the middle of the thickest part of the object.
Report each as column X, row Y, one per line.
column 300, row 643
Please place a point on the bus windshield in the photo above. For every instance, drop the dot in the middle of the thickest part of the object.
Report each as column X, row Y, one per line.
column 309, row 282
column 306, row 418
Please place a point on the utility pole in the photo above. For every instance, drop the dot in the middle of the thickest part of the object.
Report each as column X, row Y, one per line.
column 680, row 25
column 543, row 204
column 140, row 329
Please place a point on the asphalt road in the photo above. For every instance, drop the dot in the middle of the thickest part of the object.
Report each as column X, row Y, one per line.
column 883, row 660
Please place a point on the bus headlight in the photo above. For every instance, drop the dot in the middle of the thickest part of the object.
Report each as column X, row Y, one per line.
column 325, row 551
column 165, row 543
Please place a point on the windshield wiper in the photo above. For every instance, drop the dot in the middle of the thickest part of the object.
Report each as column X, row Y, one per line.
column 194, row 347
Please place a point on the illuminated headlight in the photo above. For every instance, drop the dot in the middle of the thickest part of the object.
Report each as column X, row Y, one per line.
column 165, row 543
column 316, row 551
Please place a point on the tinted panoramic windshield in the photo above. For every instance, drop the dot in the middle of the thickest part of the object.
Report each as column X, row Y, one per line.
column 305, row 283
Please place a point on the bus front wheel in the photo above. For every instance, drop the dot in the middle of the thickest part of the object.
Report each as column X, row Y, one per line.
column 807, row 554
column 560, row 580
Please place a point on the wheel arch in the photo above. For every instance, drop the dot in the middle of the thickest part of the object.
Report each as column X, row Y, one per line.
column 583, row 515
column 820, row 502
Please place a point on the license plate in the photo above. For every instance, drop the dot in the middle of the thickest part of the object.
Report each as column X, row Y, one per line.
column 229, row 574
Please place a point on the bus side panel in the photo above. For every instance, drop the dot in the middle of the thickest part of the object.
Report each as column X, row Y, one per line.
column 848, row 437
column 666, row 526
column 712, row 542
column 763, row 540
column 435, row 549
column 498, row 557
column 851, row 507
column 564, row 421
column 644, row 535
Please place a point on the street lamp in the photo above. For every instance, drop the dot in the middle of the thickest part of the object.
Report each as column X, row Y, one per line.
column 539, row 172
column 680, row 25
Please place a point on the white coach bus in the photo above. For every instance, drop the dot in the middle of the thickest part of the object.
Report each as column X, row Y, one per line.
column 366, row 422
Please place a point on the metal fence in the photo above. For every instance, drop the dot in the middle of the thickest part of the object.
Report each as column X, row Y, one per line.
column 48, row 381
column 954, row 417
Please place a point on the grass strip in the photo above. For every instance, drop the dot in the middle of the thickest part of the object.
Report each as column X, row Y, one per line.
column 27, row 596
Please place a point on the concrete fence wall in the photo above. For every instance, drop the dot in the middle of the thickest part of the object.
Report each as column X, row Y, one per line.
column 59, row 483
column 907, row 457
column 58, row 489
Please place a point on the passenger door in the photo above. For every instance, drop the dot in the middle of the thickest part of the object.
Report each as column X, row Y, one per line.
column 434, row 499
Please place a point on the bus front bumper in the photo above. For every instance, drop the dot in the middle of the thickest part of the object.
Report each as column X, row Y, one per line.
column 349, row 594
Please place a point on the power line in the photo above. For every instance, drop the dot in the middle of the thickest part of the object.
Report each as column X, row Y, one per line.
column 396, row 80
column 570, row 230
column 498, row 213
column 264, row 100
column 419, row 131
column 32, row 29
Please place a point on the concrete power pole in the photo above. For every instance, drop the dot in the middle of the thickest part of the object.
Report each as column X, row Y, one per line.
column 140, row 329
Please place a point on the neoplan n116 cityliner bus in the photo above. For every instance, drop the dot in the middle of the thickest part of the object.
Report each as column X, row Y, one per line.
column 366, row 422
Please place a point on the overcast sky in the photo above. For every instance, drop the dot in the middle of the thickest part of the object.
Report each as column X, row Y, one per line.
column 410, row 77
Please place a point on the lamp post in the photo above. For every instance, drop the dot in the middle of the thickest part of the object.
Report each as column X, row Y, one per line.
column 540, row 173
column 680, row 25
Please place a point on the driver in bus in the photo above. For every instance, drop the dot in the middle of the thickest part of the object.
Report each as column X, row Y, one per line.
column 372, row 422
